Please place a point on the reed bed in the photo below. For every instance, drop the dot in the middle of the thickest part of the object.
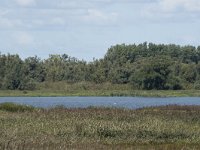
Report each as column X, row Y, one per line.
column 155, row 128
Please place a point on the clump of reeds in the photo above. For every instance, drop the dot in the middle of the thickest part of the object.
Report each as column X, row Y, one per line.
column 11, row 107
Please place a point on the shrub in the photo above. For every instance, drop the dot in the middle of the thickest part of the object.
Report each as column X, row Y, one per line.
column 11, row 107
column 197, row 85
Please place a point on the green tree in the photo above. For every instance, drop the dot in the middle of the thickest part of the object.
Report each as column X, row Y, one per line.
column 13, row 72
column 152, row 73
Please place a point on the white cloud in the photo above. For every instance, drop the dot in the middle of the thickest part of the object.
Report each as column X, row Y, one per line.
column 172, row 10
column 58, row 21
column 186, row 5
column 60, row 14
column 54, row 22
column 97, row 16
column 6, row 23
column 169, row 6
column 23, row 38
column 86, row 4
column 26, row 2
column 3, row 12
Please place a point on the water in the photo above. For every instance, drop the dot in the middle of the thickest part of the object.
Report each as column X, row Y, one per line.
column 83, row 102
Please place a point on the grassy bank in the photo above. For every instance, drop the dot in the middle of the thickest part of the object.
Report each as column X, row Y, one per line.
column 169, row 127
column 133, row 93
column 91, row 89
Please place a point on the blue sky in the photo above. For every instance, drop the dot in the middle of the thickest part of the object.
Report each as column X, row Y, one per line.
column 87, row 28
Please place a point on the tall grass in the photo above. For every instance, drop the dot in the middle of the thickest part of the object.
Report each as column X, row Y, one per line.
column 11, row 107
column 166, row 127
column 92, row 89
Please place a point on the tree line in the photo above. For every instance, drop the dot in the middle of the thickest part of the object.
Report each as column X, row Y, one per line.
column 144, row 66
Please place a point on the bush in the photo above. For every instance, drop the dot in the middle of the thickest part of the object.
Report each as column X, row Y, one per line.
column 28, row 85
column 174, row 83
column 11, row 107
column 197, row 85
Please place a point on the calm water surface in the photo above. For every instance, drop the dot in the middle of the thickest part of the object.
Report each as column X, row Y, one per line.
column 82, row 102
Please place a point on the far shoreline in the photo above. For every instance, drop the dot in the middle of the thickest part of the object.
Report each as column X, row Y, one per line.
column 100, row 93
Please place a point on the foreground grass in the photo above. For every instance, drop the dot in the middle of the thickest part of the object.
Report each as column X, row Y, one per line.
column 167, row 127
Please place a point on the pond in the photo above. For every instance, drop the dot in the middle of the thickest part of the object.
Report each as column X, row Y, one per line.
column 83, row 102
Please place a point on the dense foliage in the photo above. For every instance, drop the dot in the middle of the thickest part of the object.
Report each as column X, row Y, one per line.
column 144, row 66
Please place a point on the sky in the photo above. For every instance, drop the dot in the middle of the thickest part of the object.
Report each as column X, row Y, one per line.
column 85, row 29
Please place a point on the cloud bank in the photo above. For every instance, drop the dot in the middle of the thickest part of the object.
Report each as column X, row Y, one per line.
column 95, row 24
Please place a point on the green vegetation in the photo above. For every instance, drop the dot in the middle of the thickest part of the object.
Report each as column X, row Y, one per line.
column 140, row 67
column 15, row 107
column 111, row 93
column 166, row 127
column 49, row 89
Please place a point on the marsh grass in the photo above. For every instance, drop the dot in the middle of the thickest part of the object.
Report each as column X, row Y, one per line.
column 11, row 107
column 92, row 89
column 99, row 92
column 165, row 127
